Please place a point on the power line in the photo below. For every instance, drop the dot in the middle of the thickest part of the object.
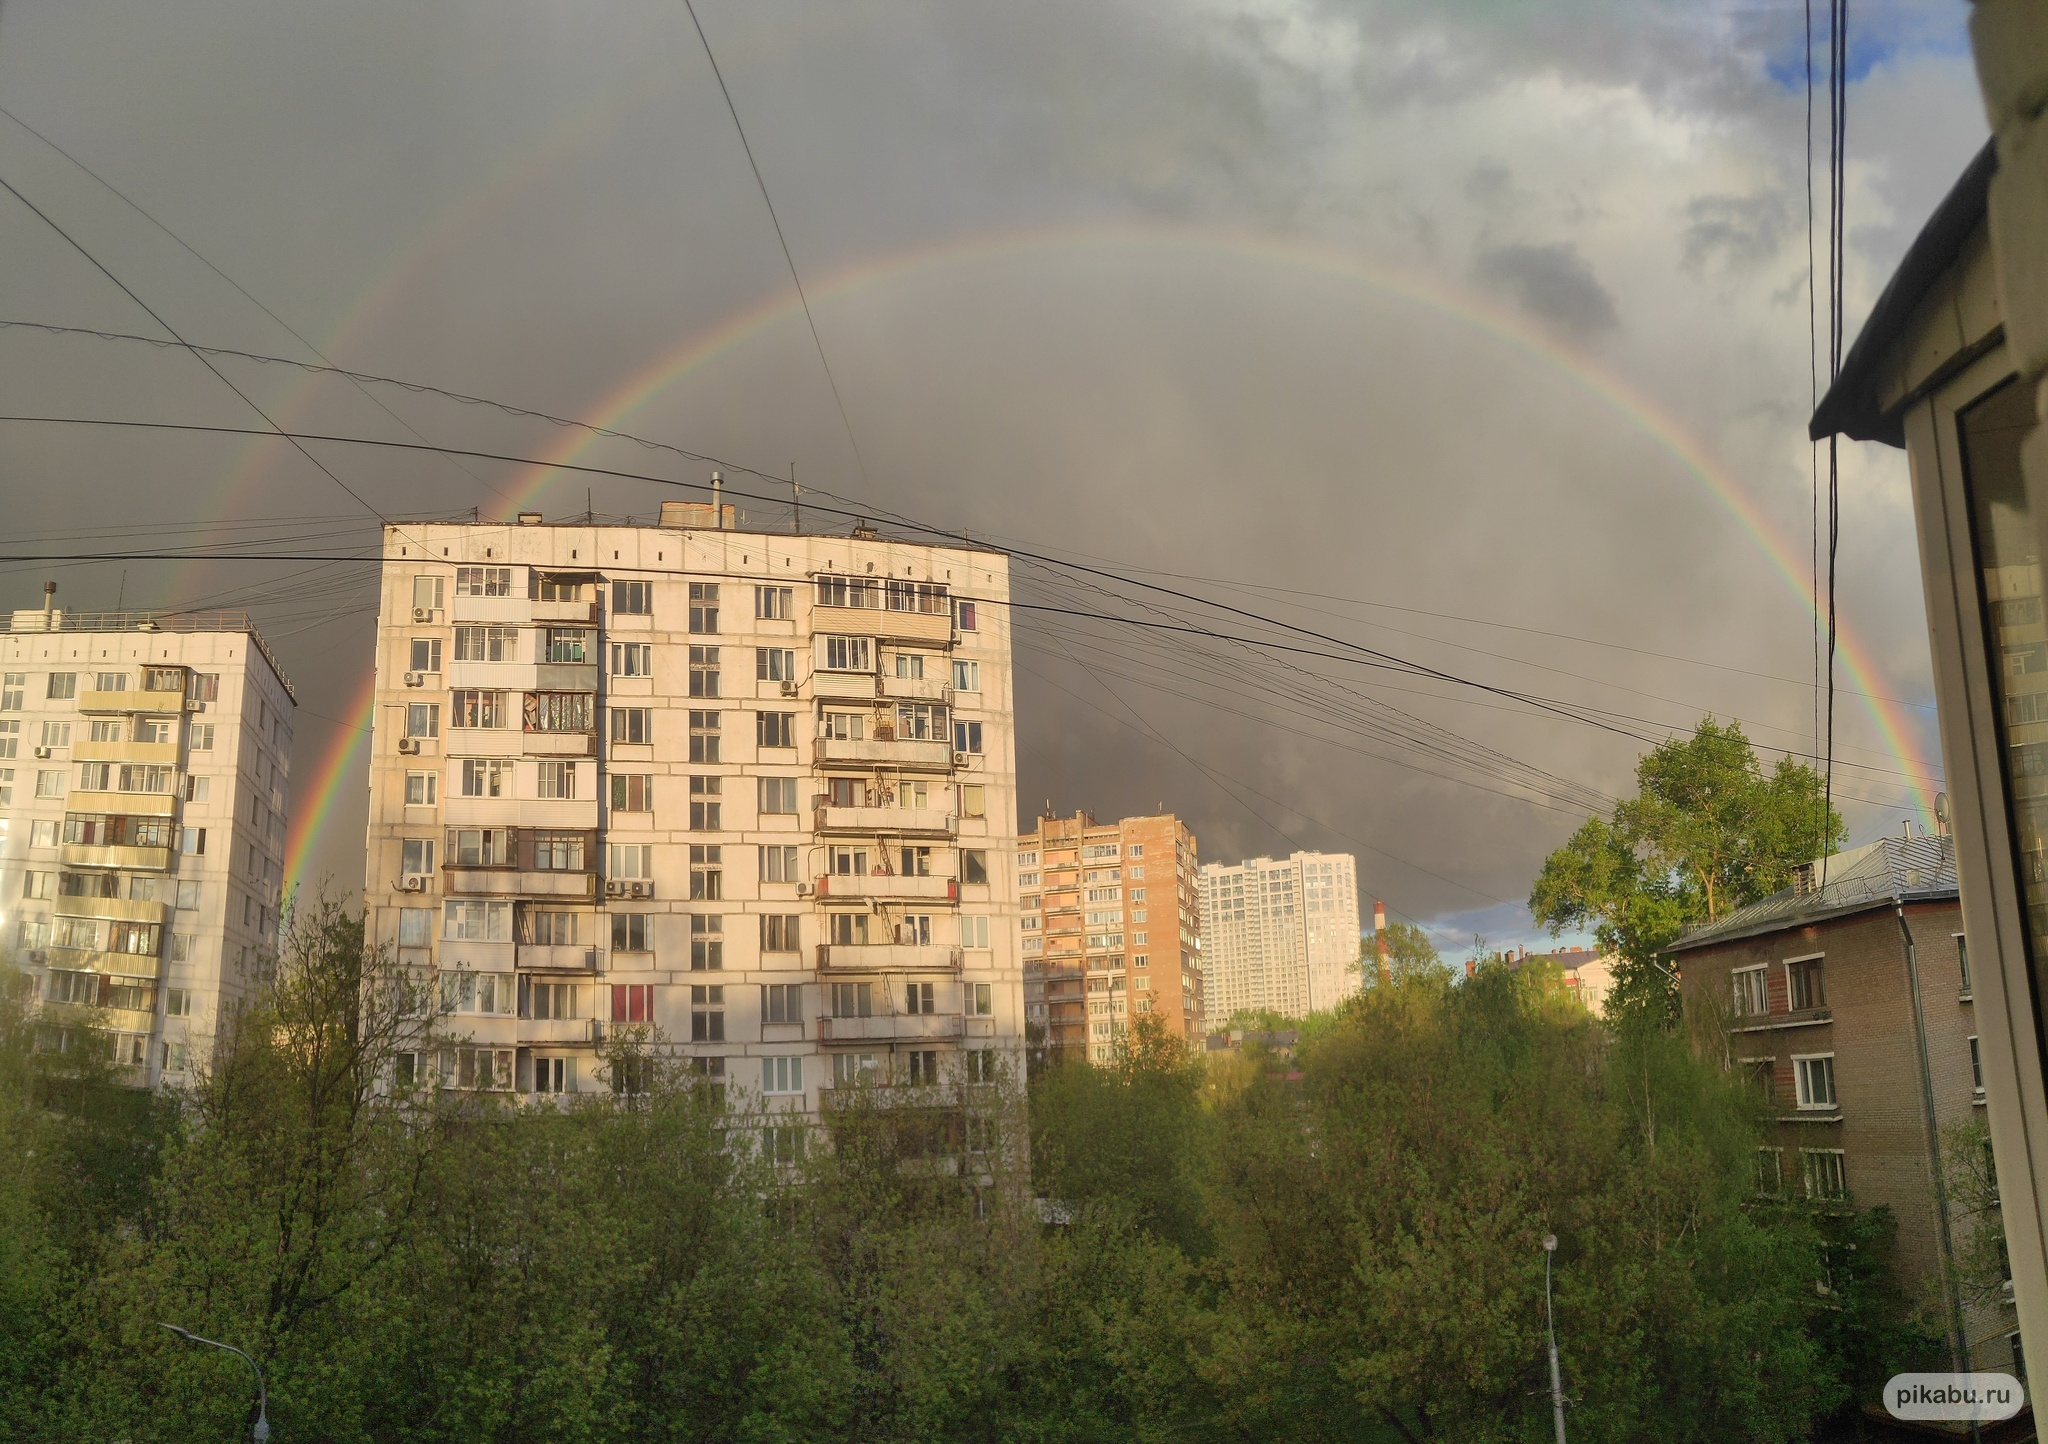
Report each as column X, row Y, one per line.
column 781, row 239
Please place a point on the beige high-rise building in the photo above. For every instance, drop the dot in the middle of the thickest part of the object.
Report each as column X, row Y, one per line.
column 1280, row 936
column 1112, row 930
column 144, row 771
column 755, row 790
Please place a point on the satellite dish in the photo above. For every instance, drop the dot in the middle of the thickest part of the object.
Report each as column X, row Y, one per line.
column 1941, row 814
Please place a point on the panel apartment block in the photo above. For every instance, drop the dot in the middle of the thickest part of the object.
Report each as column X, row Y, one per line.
column 144, row 772
column 1281, row 936
column 754, row 791
column 1112, row 929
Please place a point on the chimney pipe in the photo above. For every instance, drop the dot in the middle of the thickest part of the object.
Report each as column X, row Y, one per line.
column 717, row 497
column 1379, row 937
column 49, row 602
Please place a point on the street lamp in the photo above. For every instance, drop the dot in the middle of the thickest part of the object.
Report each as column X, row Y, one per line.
column 262, row 1430
column 1550, row 1320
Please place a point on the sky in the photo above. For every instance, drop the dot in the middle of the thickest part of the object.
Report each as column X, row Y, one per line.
column 1474, row 335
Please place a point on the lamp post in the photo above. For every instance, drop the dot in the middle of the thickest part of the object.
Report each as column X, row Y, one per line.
column 1550, row 1321
column 262, row 1431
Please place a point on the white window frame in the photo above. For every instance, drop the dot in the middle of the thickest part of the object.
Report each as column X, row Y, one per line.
column 1761, row 974
column 1786, row 965
column 1806, row 1171
column 1800, row 1092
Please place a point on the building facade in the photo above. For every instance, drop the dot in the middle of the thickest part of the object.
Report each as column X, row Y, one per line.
column 755, row 793
column 1112, row 930
column 1815, row 988
column 1280, row 936
column 145, row 767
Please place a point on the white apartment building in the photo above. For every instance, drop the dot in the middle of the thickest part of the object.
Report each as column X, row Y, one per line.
column 1280, row 935
column 144, row 772
column 754, row 791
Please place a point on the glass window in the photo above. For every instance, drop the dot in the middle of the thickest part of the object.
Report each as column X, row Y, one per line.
column 1815, row 1080
column 775, row 729
column 633, row 599
column 1750, row 1000
column 704, row 607
column 774, row 604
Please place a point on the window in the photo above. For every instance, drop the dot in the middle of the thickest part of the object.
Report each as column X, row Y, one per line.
column 426, row 655
column 981, row 1066
column 202, row 686
column 1976, row 1066
column 774, row 664
column 631, row 860
column 198, row 789
column 1963, row 961
column 778, row 863
column 43, row 832
column 1770, row 1171
column 63, row 685
column 480, row 847
column 707, row 943
column 974, row 932
column 705, row 808
column 981, row 1002
column 96, row 776
column 155, row 729
column 973, row 865
column 58, row 734
column 910, row 665
column 912, row 793
column 557, row 780
column 549, row 1000
column 707, row 1013
column 498, row 643
column 853, row 1000
column 704, row 737
column 422, row 719
column 144, row 779
column 964, row 616
column 559, row 851
column 775, row 729
column 967, row 737
column 843, row 726
column 918, row 999
column 920, row 722
column 202, row 737
column 924, row 1067
column 559, row 712
column 632, row 659
column 778, row 932
column 774, row 604
column 50, row 782
column 569, row 645
column 632, row 792
column 848, row 654
column 1815, row 1079
column 782, row 1075
column 111, row 681
column 1750, row 999
column 704, row 608
column 847, row 861
column 420, row 789
column 848, row 929
column 427, row 594
column 782, row 1003
column 778, row 795
column 177, row 1002
column 476, row 922
column 973, row 800
column 1827, row 1172
column 707, row 872
column 633, row 599
column 851, row 1070
column 966, row 676
column 415, row 928
column 1805, row 984
column 845, row 592
column 561, row 589
column 12, row 686
column 416, row 856
column 188, row 895
column 486, row 778
column 632, row 1002
column 629, row 932
column 703, row 671
column 917, row 862
column 39, row 884
column 633, row 725
column 483, row 581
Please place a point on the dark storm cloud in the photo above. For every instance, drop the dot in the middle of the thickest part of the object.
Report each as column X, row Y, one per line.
column 1553, row 283
column 1736, row 230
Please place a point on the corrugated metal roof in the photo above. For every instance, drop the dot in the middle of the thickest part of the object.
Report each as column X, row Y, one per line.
column 1911, row 869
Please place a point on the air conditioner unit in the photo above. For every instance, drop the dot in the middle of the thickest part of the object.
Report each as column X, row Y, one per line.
column 42, row 752
column 414, row 679
column 408, row 745
column 789, row 689
column 961, row 759
column 614, row 889
column 414, row 883
column 423, row 614
column 639, row 889
column 803, row 889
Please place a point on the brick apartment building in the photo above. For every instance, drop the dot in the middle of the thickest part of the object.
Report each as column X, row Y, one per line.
column 1814, row 988
column 1112, row 929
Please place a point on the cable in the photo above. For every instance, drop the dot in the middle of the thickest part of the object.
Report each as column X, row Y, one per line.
column 781, row 239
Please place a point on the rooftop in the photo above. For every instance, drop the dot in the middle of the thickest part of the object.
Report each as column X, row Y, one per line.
column 35, row 619
column 1892, row 869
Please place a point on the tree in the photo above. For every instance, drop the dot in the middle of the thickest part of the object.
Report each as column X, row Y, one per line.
column 1708, row 831
column 1410, row 954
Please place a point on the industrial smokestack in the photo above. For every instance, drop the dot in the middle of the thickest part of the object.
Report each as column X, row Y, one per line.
column 1379, row 937
column 717, row 497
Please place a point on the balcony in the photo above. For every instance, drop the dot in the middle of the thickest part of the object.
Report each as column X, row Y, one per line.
column 565, row 676
column 119, row 909
column 558, row 744
column 845, row 686
column 134, row 859
column 891, row 1028
column 555, row 1032
column 585, row 612
column 926, row 756
column 132, row 701
column 516, row 882
column 868, row 821
column 917, row 689
column 889, row 957
column 163, row 753
column 931, row 628
column 557, row 958
column 123, row 804
column 889, row 887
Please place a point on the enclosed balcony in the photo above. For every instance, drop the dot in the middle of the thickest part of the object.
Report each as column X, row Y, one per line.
column 871, row 821
column 931, row 628
column 889, row 957
column 891, row 1028
column 133, row 700
column 927, row 756
column 136, row 859
column 557, row 958
column 160, row 753
column 889, row 887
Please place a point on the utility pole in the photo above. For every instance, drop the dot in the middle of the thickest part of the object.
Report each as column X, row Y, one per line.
column 796, row 494
column 1379, row 937
column 1550, row 1320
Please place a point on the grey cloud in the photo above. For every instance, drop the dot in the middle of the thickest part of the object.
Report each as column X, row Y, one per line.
column 1737, row 231
column 1553, row 283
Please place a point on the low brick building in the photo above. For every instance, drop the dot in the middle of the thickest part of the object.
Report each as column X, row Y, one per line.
column 1814, row 989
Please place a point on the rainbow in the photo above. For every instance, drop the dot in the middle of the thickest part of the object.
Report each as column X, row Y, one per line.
column 661, row 373
column 347, row 754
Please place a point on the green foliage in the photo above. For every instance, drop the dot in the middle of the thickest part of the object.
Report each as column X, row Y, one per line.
column 1708, row 831
column 1410, row 954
